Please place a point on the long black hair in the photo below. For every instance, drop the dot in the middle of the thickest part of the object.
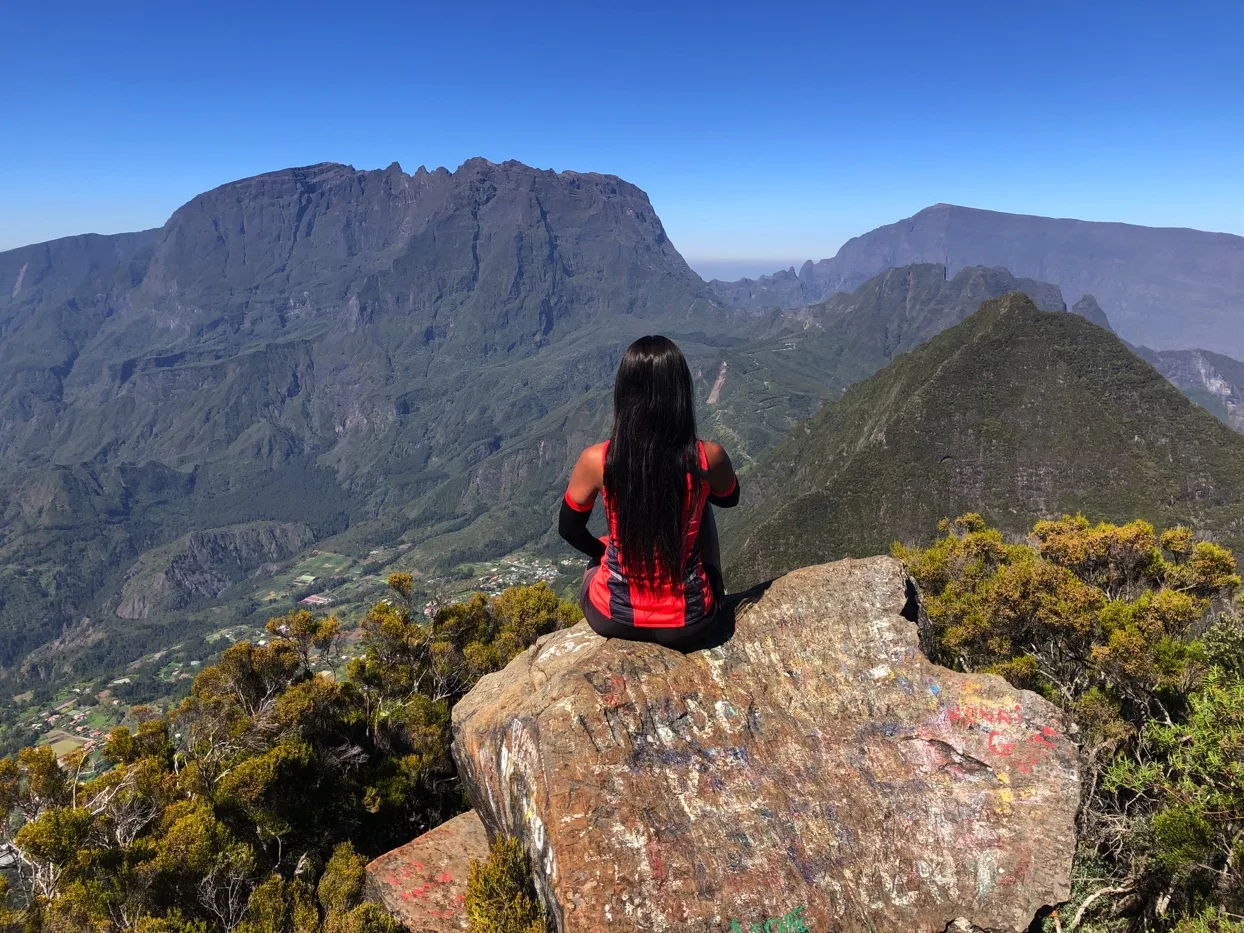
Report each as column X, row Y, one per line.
column 652, row 447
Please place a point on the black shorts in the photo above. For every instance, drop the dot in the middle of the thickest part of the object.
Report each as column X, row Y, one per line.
column 683, row 638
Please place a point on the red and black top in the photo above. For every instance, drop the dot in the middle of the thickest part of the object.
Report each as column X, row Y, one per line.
column 668, row 602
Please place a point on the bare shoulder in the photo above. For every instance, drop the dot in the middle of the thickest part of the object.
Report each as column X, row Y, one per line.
column 715, row 454
column 593, row 458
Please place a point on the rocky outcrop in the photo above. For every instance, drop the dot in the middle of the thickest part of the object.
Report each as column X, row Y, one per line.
column 816, row 767
column 1088, row 308
column 203, row 564
column 423, row 884
column 1213, row 381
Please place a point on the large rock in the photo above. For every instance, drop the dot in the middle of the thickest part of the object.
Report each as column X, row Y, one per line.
column 423, row 883
column 817, row 767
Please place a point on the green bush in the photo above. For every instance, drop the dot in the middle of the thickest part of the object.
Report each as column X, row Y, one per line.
column 1136, row 635
column 255, row 807
column 500, row 896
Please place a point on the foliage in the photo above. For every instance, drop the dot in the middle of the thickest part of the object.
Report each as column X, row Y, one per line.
column 500, row 897
column 1016, row 414
column 255, row 806
column 1135, row 634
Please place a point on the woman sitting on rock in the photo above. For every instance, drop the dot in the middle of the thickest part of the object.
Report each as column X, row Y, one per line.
column 656, row 576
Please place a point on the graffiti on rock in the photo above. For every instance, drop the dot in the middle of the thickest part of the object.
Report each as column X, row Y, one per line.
column 792, row 922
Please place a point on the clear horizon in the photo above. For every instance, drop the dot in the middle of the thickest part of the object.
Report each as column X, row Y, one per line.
column 763, row 141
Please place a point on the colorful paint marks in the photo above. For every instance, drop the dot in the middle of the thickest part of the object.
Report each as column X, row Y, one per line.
column 1023, row 750
column 792, row 922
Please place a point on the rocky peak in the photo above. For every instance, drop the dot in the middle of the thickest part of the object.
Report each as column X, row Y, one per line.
column 1088, row 308
column 816, row 767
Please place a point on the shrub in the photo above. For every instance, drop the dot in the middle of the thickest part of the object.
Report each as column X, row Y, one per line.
column 500, row 896
column 1135, row 634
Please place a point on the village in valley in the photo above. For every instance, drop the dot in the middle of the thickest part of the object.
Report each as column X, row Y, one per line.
column 80, row 718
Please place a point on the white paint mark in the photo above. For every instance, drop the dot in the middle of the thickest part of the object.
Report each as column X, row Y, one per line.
column 565, row 646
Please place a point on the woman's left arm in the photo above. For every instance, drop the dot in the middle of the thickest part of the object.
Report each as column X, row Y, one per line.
column 723, row 483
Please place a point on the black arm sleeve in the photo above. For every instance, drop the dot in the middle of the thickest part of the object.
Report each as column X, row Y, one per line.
column 572, row 525
column 729, row 500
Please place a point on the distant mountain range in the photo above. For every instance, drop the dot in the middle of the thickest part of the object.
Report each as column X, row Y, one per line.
column 377, row 355
column 1015, row 413
column 347, row 360
column 1162, row 287
column 757, row 392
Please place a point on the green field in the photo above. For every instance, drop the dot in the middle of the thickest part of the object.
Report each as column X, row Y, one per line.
column 322, row 565
column 63, row 743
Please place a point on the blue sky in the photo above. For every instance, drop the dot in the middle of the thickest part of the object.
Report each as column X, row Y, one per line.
column 767, row 133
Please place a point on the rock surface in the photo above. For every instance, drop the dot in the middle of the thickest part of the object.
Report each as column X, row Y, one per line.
column 423, row 884
column 1213, row 381
column 817, row 767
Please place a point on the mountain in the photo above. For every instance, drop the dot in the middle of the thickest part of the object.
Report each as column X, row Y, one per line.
column 371, row 355
column 1213, row 381
column 351, row 360
column 758, row 391
column 1088, row 308
column 1165, row 287
column 1015, row 413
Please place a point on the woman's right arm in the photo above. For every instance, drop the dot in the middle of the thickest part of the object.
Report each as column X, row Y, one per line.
column 723, row 483
column 577, row 502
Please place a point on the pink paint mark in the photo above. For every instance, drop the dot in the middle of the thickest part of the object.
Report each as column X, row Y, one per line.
column 654, row 860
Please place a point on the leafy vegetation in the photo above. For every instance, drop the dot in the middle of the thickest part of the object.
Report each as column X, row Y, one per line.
column 254, row 806
column 500, row 896
column 1138, row 636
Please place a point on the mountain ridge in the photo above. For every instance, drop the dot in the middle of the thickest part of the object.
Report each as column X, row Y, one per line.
column 1166, row 287
column 365, row 353
column 1015, row 413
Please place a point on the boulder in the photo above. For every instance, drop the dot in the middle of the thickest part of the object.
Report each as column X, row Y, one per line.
column 814, row 772
column 423, row 883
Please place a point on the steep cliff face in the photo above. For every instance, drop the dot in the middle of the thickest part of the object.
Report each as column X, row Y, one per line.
column 1164, row 287
column 325, row 346
column 328, row 294
column 813, row 772
column 203, row 564
column 1088, row 308
column 1213, row 381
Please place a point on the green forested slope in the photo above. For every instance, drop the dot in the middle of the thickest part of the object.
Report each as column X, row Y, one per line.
column 1015, row 413
column 371, row 355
